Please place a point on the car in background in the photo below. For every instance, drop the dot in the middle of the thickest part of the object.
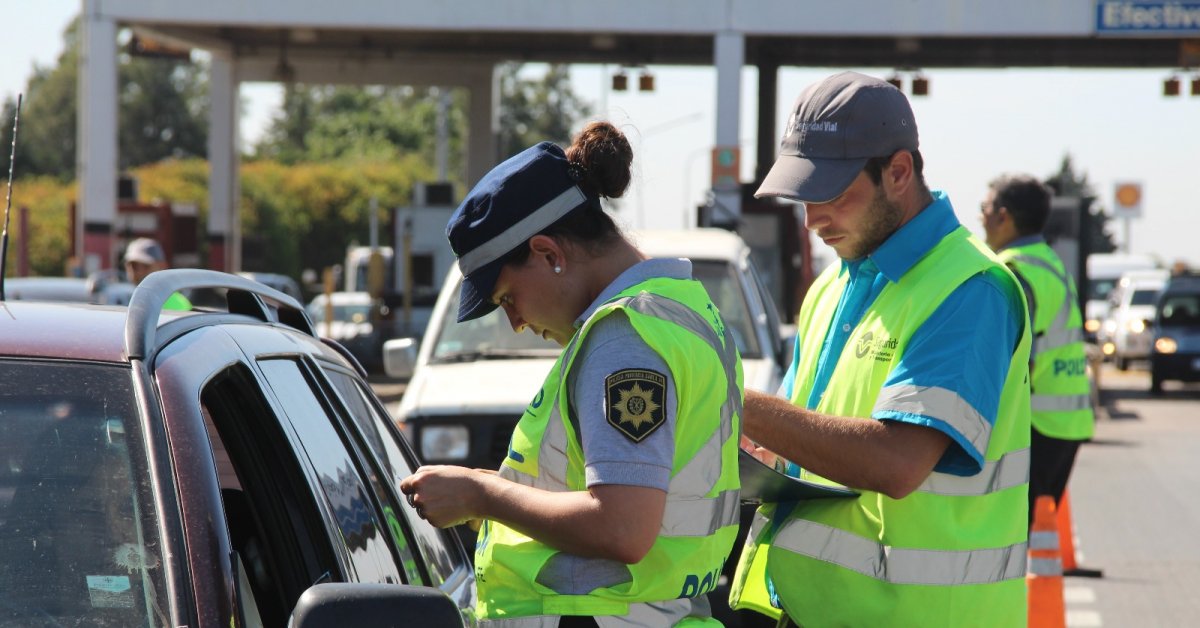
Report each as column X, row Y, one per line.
column 1103, row 272
column 61, row 289
column 1175, row 354
column 346, row 317
column 280, row 282
column 1125, row 334
column 205, row 469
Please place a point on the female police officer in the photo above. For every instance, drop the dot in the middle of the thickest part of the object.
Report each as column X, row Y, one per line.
column 618, row 498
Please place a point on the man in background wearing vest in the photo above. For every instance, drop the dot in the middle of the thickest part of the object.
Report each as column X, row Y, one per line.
column 144, row 256
column 909, row 384
column 1014, row 215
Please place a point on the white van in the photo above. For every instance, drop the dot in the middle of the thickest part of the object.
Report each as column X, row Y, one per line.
column 1103, row 272
column 1125, row 335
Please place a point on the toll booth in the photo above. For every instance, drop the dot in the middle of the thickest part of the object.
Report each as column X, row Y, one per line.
column 174, row 225
column 1068, row 231
column 782, row 252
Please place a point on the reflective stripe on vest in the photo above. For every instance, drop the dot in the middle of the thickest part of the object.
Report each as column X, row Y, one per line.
column 1060, row 403
column 900, row 565
column 997, row 475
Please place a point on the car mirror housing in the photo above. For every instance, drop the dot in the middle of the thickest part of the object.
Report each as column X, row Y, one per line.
column 340, row 604
column 400, row 357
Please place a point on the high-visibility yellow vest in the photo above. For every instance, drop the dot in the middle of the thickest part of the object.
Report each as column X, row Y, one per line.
column 677, row 320
column 952, row 553
column 177, row 302
column 1061, row 397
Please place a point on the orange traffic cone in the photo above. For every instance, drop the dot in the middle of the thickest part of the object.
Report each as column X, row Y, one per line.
column 1044, row 581
column 1066, row 533
column 1066, row 537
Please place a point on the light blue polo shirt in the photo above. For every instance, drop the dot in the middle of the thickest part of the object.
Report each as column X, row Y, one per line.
column 964, row 347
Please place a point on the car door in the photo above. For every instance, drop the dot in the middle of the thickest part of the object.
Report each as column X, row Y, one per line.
column 267, row 447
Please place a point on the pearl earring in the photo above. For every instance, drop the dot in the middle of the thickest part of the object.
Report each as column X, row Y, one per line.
column 558, row 270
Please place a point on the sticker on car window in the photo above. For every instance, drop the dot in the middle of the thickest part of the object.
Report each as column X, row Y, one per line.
column 110, row 591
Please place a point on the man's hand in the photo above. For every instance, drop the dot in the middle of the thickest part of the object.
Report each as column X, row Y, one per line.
column 760, row 453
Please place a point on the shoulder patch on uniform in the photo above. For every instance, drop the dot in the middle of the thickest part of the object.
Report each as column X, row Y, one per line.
column 635, row 400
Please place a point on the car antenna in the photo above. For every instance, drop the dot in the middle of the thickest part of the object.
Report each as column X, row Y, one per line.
column 12, row 158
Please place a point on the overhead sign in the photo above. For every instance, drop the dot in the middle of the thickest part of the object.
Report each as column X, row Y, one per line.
column 1127, row 200
column 1125, row 17
column 726, row 167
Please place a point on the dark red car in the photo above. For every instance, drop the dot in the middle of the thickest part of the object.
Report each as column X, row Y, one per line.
column 216, row 468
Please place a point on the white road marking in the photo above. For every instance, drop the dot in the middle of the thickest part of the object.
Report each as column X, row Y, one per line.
column 1084, row 619
column 1079, row 595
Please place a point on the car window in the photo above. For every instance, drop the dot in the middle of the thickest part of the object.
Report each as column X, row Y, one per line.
column 78, row 526
column 272, row 517
column 386, row 444
column 486, row 336
column 725, row 288
column 1143, row 297
column 347, row 493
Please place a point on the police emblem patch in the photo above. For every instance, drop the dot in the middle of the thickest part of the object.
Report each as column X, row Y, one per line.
column 635, row 400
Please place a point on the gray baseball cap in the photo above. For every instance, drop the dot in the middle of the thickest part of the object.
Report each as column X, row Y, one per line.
column 835, row 127
column 145, row 251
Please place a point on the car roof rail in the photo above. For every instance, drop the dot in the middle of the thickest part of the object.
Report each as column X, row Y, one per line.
column 244, row 296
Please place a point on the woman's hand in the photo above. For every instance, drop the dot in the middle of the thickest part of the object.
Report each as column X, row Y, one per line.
column 446, row 495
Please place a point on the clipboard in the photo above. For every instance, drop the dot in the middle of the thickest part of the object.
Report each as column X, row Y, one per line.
column 761, row 483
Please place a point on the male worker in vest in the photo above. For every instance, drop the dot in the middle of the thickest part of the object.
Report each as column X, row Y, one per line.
column 1014, row 215
column 909, row 384
column 144, row 256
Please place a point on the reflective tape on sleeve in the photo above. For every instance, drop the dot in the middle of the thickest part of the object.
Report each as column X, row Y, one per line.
column 939, row 403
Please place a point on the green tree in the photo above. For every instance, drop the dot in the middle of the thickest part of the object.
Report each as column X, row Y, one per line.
column 161, row 112
column 534, row 108
column 1069, row 183
column 320, row 123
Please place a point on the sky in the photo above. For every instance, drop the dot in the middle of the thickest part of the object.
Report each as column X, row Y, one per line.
column 975, row 124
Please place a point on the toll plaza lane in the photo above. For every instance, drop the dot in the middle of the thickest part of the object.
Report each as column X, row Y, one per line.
column 1135, row 506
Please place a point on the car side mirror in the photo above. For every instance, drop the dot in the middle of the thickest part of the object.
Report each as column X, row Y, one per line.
column 400, row 357
column 341, row 604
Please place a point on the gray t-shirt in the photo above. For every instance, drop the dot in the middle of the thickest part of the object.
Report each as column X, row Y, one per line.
column 614, row 451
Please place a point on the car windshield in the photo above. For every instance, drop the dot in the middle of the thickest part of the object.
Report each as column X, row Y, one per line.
column 1180, row 309
column 78, row 540
column 1098, row 289
column 1143, row 297
column 485, row 337
column 492, row 337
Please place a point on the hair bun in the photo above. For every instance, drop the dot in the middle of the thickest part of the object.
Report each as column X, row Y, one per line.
column 601, row 158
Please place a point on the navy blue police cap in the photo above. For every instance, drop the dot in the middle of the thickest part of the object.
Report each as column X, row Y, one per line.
column 514, row 202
